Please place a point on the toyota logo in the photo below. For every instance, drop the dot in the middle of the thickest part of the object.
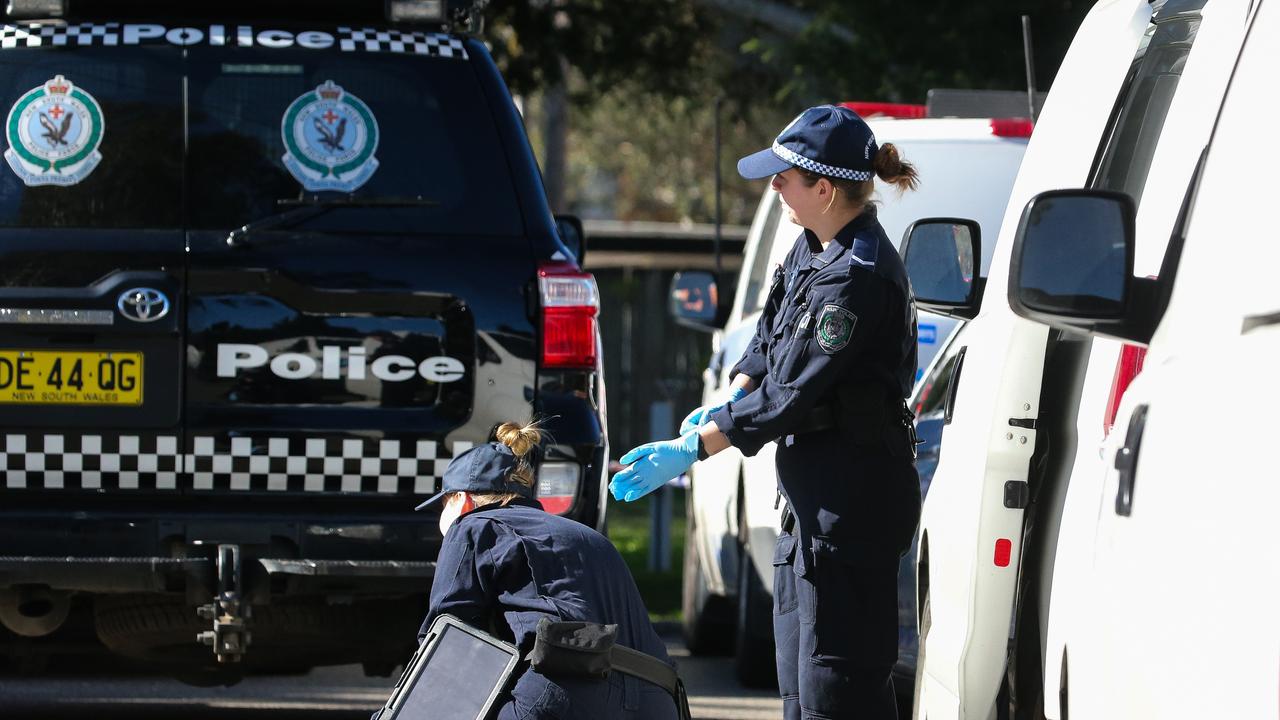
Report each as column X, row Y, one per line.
column 143, row 304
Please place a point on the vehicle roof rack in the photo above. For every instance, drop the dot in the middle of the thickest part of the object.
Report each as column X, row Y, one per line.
column 35, row 9
column 942, row 102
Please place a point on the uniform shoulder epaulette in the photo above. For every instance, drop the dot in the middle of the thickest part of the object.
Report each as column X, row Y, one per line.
column 865, row 250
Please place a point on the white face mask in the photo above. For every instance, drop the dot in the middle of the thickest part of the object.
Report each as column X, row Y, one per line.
column 452, row 509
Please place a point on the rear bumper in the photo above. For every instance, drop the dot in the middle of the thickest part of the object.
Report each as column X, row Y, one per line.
column 116, row 552
column 161, row 574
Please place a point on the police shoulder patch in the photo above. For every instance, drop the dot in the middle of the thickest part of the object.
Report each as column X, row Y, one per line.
column 835, row 328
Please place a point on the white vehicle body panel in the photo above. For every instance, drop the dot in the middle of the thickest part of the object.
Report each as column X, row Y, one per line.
column 1177, row 614
column 1185, row 132
column 971, row 598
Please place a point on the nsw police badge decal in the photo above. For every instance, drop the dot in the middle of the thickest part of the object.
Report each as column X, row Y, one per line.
column 835, row 328
column 54, row 132
column 329, row 138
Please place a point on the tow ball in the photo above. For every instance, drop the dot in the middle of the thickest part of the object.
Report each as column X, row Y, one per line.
column 228, row 611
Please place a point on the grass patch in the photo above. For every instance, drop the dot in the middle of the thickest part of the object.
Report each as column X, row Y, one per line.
column 629, row 530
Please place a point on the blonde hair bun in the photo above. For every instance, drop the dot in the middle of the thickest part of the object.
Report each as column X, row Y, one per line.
column 522, row 439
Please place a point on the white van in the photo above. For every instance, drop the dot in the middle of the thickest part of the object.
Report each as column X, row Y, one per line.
column 1014, row 531
column 1174, row 615
column 966, row 167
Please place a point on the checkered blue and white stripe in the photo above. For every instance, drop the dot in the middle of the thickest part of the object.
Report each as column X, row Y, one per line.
column 401, row 41
column 348, row 39
column 799, row 160
column 37, row 35
column 272, row 464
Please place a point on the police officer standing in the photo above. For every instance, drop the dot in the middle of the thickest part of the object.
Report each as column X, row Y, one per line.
column 833, row 357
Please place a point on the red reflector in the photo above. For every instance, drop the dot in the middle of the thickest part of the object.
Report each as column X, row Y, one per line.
column 1127, row 368
column 1004, row 549
column 556, row 504
column 1012, row 127
column 867, row 110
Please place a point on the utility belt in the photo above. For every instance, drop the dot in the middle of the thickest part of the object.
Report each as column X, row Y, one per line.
column 867, row 417
column 589, row 651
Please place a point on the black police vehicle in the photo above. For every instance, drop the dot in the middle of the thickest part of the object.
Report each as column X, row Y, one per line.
column 264, row 269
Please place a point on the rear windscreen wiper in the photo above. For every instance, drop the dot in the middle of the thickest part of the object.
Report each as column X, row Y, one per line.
column 302, row 209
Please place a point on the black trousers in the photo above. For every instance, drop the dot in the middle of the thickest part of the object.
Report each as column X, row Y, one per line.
column 834, row 628
column 836, row 576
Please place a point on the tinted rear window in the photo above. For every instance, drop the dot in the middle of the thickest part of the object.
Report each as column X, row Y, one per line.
column 197, row 137
column 136, row 179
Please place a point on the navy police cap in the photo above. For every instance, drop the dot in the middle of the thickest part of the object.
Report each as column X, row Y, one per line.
column 829, row 140
column 482, row 469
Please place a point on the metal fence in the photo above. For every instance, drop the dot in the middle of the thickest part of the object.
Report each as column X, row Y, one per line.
column 648, row 358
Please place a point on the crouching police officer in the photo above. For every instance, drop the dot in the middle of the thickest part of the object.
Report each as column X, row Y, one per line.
column 506, row 564
column 834, row 356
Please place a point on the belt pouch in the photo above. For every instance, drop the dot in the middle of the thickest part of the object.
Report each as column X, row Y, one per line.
column 572, row 649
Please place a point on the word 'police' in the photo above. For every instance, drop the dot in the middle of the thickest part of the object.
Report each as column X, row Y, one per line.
column 233, row 357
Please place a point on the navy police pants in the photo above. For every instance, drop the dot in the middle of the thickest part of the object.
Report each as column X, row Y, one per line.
column 836, row 631
column 835, row 582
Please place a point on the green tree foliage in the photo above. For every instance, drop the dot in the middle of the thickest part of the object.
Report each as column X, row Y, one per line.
column 643, row 76
column 657, row 44
column 650, row 157
column 869, row 49
column 896, row 51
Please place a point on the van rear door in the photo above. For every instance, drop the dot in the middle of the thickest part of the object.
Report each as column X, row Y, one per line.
column 92, row 250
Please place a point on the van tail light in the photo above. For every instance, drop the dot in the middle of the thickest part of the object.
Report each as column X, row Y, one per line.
column 1127, row 368
column 558, row 486
column 570, row 304
column 868, row 110
column 1012, row 127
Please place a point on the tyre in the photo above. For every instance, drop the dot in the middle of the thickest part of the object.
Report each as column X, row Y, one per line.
column 754, row 659
column 926, row 619
column 707, row 629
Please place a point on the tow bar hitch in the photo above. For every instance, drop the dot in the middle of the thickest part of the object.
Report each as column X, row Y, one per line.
column 229, row 638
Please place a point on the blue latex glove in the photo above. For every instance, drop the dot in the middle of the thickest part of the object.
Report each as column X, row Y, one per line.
column 702, row 415
column 651, row 465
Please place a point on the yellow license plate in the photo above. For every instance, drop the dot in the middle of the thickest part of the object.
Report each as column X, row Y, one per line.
column 70, row 377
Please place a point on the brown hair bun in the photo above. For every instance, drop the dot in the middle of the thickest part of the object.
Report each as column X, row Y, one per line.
column 891, row 168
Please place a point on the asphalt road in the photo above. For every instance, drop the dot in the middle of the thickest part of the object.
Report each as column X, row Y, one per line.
column 334, row 693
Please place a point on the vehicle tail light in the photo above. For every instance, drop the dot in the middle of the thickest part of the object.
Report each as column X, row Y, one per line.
column 1012, row 127
column 570, row 304
column 558, row 486
column 1127, row 368
column 867, row 110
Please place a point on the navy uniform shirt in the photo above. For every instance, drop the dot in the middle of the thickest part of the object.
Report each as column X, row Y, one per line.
column 839, row 322
column 837, row 334
column 502, row 569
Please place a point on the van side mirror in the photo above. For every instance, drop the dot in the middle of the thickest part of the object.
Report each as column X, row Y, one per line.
column 1072, row 266
column 569, row 227
column 943, row 257
column 695, row 301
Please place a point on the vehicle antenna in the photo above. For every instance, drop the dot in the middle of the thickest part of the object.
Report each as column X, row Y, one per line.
column 1031, row 68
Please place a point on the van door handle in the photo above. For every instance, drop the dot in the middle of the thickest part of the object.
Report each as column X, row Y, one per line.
column 1127, row 461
